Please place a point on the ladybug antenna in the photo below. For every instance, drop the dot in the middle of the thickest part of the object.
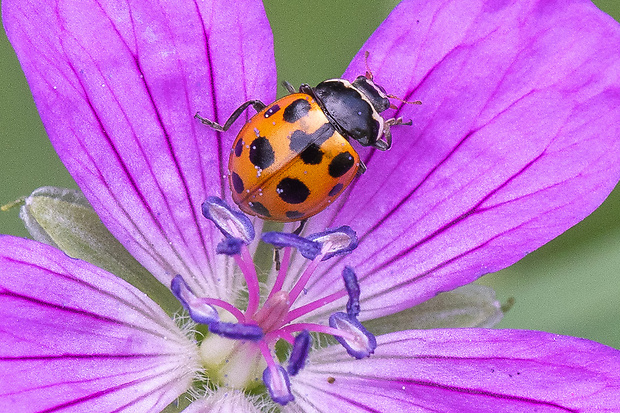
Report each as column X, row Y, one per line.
column 368, row 71
column 408, row 102
column 370, row 76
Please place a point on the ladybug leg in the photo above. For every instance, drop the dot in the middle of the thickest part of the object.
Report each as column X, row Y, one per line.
column 305, row 88
column 361, row 169
column 397, row 121
column 301, row 226
column 289, row 87
column 256, row 104
column 276, row 258
column 386, row 142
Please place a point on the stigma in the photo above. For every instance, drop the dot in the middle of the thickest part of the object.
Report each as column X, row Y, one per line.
column 242, row 341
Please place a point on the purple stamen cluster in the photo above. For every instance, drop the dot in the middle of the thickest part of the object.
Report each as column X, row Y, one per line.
column 273, row 321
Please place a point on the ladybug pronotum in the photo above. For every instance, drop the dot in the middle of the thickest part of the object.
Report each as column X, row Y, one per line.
column 294, row 157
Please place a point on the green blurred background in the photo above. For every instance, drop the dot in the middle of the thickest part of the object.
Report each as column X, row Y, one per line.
column 570, row 286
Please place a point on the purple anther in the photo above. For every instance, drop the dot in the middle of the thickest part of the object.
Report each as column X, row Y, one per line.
column 299, row 354
column 353, row 289
column 232, row 224
column 277, row 382
column 358, row 341
column 199, row 311
column 339, row 241
column 237, row 331
column 229, row 246
column 309, row 249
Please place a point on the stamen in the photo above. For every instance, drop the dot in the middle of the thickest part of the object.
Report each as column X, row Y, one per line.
column 237, row 331
column 310, row 307
column 275, row 335
column 362, row 345
column 199, row 311
column 232, row 224
column 275, row 377
column 216, row 302
column 299, row 354
column 339, row 241
column 246, row 264
column 303, row 280
column 350, row 283
column 309, row 249
column 353, row 289
column 238, row 232
column 315, row 328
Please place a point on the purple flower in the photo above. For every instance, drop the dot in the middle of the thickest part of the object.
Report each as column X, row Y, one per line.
column 515, row 142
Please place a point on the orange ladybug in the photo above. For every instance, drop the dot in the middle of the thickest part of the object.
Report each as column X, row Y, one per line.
column 294, row 157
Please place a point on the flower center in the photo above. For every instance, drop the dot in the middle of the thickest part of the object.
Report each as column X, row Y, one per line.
column 241, row 343
column 273, row 313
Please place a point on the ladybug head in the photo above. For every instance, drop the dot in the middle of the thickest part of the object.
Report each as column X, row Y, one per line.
column 375, row 94
column 354, row 109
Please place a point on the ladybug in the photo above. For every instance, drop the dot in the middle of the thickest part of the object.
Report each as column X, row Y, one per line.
column 294, row 157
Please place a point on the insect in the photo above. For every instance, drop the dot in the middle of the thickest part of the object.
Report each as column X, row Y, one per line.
column 294, row 157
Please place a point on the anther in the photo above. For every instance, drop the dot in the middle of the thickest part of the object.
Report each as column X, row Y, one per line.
column 358, row 341
column 277, row 382
column 309, row 249
column 339, row 241
column 229, row 246
column 199, row 311
column 353, row 289
column 237, row 331
column 299, row 354
column 232, row 224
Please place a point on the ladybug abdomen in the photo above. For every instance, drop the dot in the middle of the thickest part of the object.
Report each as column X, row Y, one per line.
column 289, row 163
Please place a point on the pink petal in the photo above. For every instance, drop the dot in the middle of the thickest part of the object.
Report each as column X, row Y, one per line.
column 74, row 337
column 515, row 142
column 465, row 370
column 117, row 85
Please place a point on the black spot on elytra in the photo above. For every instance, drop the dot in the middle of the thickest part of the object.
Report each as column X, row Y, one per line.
column 269, row 112
column 294, row 214
column 340, row 165
column 261, row 152
column 239, row 148
column 237, row 183
column 335, row 189
column 292, row 191
column 259, row 209
column 301, row 140
column 312, row 155
column 296, row 110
